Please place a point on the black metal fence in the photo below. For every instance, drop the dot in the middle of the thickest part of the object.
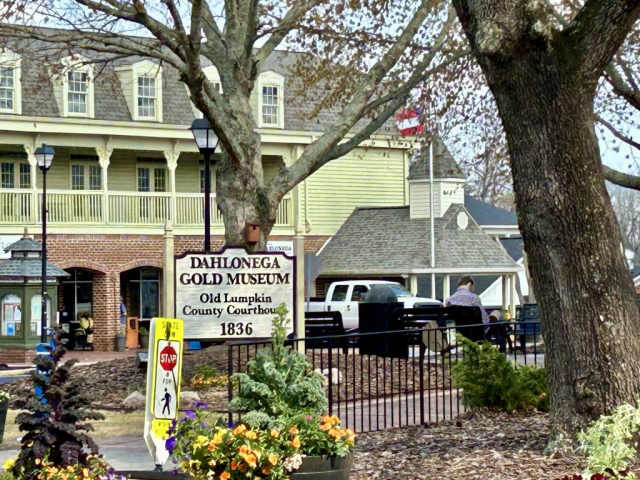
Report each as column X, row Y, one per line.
column 397, row 378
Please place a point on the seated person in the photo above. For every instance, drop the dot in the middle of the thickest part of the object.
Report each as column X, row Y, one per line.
column 464, row 297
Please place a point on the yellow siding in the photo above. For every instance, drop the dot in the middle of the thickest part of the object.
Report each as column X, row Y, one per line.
column 450, row 193
column 362, row 178
column 188, row 174
column 122, row 173
column 59, row 175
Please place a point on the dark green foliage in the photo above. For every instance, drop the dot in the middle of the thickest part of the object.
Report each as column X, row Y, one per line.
column 488, row 379
column 280, row 381
column 56, row 423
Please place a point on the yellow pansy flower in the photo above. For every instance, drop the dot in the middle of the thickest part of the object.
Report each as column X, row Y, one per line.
column 9, row 463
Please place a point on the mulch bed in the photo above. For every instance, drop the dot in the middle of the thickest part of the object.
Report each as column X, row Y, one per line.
column 480, row 445
column 109, row 383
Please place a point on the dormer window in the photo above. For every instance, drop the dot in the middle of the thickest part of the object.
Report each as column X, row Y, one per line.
column 142, row 86
column 77, row 92
column 270, row 103
column 73, row 86
column 147, row 100
column 10, row 95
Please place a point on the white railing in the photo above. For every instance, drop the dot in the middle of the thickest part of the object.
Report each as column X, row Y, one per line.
column 80, row 206
column 190, row 210
column 17, row 207
column 135, row 208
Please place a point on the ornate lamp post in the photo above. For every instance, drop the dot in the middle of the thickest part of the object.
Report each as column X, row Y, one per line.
column 44, row 155
column 207, row 141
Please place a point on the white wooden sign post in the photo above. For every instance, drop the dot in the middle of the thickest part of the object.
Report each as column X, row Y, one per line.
column 233, row 293
column 163, row 384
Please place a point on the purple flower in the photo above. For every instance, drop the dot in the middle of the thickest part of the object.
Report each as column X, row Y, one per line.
column 170, row 444
column 190, row 414
column 204, row 425
column 175, row 472
column 201, row 405
column 230, row 424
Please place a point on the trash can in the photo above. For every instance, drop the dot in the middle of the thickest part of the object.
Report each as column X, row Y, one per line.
column 379, row 317
column 132, row 332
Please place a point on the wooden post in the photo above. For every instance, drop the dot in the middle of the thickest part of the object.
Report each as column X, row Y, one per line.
column 446, row 287
column 413, row 284
column 504, row 293
column 168, row 279
column 104, row 157
column 513, row 295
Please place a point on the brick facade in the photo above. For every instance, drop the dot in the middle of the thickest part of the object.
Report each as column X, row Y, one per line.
column 109, row 256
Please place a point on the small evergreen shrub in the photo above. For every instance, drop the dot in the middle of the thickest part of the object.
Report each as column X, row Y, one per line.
column 279, row 381
column 489, row 380
column 55, row 423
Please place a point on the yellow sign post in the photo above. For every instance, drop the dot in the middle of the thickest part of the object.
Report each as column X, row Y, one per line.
column 163, row 384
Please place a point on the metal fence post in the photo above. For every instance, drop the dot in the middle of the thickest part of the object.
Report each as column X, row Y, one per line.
column 330, row 376
column 229, row 383
column 421, row 373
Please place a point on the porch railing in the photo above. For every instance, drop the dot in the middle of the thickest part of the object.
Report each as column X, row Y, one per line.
column 22, row 207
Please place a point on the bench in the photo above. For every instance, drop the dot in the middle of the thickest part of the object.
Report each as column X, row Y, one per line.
column 527, row 326
column 318, row 325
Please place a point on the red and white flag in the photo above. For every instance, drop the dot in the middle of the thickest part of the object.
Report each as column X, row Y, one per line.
column 409, row 122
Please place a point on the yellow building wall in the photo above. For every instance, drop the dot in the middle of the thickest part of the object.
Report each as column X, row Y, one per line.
column 361, row 178
column 122, row 172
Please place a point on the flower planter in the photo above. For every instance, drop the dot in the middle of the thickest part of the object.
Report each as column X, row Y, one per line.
column 324, row 468
column 4, row 407
column 121, row 342
column 144, row 340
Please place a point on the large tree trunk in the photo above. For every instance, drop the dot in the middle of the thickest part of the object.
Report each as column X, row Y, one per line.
column 590, row 320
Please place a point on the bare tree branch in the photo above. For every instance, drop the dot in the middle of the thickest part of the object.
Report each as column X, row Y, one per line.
column 616, row 133
column 625, row 180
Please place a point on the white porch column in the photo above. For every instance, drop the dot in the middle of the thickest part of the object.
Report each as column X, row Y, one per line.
column 33, row 170
column 513, row 295
column 446, row 287
column 504, row 293
column 433, row 286
column 168, row 278
column 298, row 249
column 413, row 284
column 172, row 164
column 104, row 157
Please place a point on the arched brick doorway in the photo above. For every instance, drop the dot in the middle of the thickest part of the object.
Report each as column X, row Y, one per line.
column 141, row 287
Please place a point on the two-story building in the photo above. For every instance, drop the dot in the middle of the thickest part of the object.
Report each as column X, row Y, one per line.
column 125, row 164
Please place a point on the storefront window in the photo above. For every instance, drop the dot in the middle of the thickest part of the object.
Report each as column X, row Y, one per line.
column 36, row 315
column 145, row 293
column 78, row 293
column 11, row 315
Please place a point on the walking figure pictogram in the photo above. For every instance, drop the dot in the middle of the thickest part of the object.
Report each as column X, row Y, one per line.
column 167, row 402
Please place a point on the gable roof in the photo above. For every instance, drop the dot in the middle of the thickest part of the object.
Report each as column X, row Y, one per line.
column 385, row 240
column 38, row 97
column 487, row 214
column 444, row 165
column 512, row 246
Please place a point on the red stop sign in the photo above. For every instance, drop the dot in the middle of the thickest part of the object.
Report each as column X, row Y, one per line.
column 168, row 358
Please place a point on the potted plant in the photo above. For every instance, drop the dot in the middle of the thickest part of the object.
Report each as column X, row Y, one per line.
column 285, row 431
column 143, row 336
column 297, row 447
column 121, row 340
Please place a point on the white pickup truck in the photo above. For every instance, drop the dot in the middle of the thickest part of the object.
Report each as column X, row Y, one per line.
column 345, row 296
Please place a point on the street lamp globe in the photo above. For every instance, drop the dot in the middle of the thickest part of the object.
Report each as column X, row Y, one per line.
column 44, row 156
column 205, row 137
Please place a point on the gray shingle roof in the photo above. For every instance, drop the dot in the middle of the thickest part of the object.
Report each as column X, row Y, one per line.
column 487, row 214
column 110, row 104
column 25, row 244
column 444, row 165
column 379, row 240
column 512, row 246
column 28, row 267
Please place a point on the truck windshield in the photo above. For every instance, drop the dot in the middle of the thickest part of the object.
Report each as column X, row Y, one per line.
column 400, row 291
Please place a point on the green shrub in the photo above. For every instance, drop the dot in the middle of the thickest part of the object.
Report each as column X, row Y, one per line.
column 279, row 381
column 608, row 442
column 489, row 380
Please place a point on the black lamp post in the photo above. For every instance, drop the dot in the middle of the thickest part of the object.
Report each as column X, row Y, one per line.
column 44, row 155
column 207, row 141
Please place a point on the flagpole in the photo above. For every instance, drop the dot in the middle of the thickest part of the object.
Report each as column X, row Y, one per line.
column 432, row 221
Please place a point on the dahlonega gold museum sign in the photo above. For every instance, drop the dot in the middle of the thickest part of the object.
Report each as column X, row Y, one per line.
column 233, row 293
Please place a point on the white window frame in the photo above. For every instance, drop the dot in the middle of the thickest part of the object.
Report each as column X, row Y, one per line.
column 271, row 79
column 145, row 68
column 153, row 166
column 77, row 63
column 16, row 173
column 85, row 164
column 9, row 59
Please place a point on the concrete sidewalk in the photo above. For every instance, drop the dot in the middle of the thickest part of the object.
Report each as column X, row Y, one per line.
column 122, row 453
